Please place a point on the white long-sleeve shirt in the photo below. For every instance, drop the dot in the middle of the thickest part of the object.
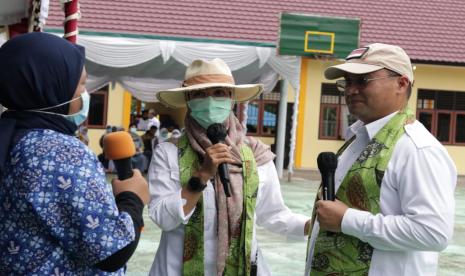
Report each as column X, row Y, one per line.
column 416, row 200
column 166, row 210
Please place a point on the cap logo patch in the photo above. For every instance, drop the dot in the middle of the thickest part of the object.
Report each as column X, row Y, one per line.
column 357, row 53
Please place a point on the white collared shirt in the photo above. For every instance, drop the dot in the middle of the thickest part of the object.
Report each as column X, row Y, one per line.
column 166, row 210
column 416, row 200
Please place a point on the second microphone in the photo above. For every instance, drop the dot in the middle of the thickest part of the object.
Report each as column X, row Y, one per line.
column 217, row 134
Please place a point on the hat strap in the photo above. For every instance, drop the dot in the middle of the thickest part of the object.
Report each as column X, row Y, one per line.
column 209, row 78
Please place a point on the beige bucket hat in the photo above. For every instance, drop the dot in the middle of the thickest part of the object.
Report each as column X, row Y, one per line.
column 372, row 58
column 201, row 74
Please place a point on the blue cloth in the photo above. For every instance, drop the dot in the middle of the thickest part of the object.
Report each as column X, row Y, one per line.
column 57, row 213
column 37, row 70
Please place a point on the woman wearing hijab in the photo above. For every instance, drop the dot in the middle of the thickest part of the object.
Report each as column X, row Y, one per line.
column 205, row 232
column 58, row 215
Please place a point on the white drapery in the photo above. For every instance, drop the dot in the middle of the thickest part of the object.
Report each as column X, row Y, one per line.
column 143, row 66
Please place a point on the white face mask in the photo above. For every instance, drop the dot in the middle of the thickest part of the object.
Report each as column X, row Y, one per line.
column 77, row 118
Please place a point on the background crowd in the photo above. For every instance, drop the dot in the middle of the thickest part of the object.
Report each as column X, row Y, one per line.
column 146, row 134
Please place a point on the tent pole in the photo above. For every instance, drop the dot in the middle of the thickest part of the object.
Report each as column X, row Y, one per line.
column 280, row 139
column 71, row 17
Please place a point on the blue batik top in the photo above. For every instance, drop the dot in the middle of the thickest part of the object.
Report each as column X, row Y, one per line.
column 57, row 213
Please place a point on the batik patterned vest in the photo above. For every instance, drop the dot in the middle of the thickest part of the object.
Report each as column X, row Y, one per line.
column 238, row 260
column 341, row 254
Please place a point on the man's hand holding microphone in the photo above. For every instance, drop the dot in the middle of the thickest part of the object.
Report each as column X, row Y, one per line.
column 330, row 211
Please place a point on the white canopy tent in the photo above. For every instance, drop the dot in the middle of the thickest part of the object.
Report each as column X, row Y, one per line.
column 143, row 66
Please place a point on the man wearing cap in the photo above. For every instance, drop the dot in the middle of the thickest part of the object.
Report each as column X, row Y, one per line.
column 395, row 182
column 205, row 232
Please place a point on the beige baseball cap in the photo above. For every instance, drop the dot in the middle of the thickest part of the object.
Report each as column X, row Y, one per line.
column 372, row 58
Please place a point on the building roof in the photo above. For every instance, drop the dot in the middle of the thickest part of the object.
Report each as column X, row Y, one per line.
column 430, row 31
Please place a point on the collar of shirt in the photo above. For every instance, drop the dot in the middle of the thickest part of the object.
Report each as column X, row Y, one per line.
column 371, row 129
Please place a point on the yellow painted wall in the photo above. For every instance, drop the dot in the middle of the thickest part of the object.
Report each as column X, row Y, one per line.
column 309, row 148
column 177, row 114
column 426, row 77
column 290, row 94
column 267, row 140
column 115, row 116
column 302, row 111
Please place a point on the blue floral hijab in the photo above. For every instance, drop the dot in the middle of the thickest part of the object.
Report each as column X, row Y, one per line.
column 37, row 70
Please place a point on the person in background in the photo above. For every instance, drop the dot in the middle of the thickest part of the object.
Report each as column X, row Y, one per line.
column 58, row 215
column 139, row 161
column 204, row 232
column 111, row 164
column 394, row 180
column 143, row 121
column 150, row 140
column 153, row 120
column 133, row 119
column 101, row 157
column 175, row 135
column 82, row 135
column 164, row 135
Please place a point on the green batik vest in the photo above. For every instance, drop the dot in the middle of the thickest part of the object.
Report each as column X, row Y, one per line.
column 238, row 260
column 341, row 254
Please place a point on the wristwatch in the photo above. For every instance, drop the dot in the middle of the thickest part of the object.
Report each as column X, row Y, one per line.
column 195, row 185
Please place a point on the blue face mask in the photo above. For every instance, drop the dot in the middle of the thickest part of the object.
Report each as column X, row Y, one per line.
column 210, row 110
column 76, row 118
column 81, row 116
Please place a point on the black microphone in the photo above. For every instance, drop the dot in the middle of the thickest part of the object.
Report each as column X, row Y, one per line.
column 327, row 164
column 217, row 133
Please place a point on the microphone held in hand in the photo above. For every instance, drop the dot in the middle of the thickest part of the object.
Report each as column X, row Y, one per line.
column 119, row 147
column 217, row 134
column 327, row 164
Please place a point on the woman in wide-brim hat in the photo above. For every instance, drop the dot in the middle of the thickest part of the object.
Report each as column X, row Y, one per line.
column 205, row 232
column 201, row 75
